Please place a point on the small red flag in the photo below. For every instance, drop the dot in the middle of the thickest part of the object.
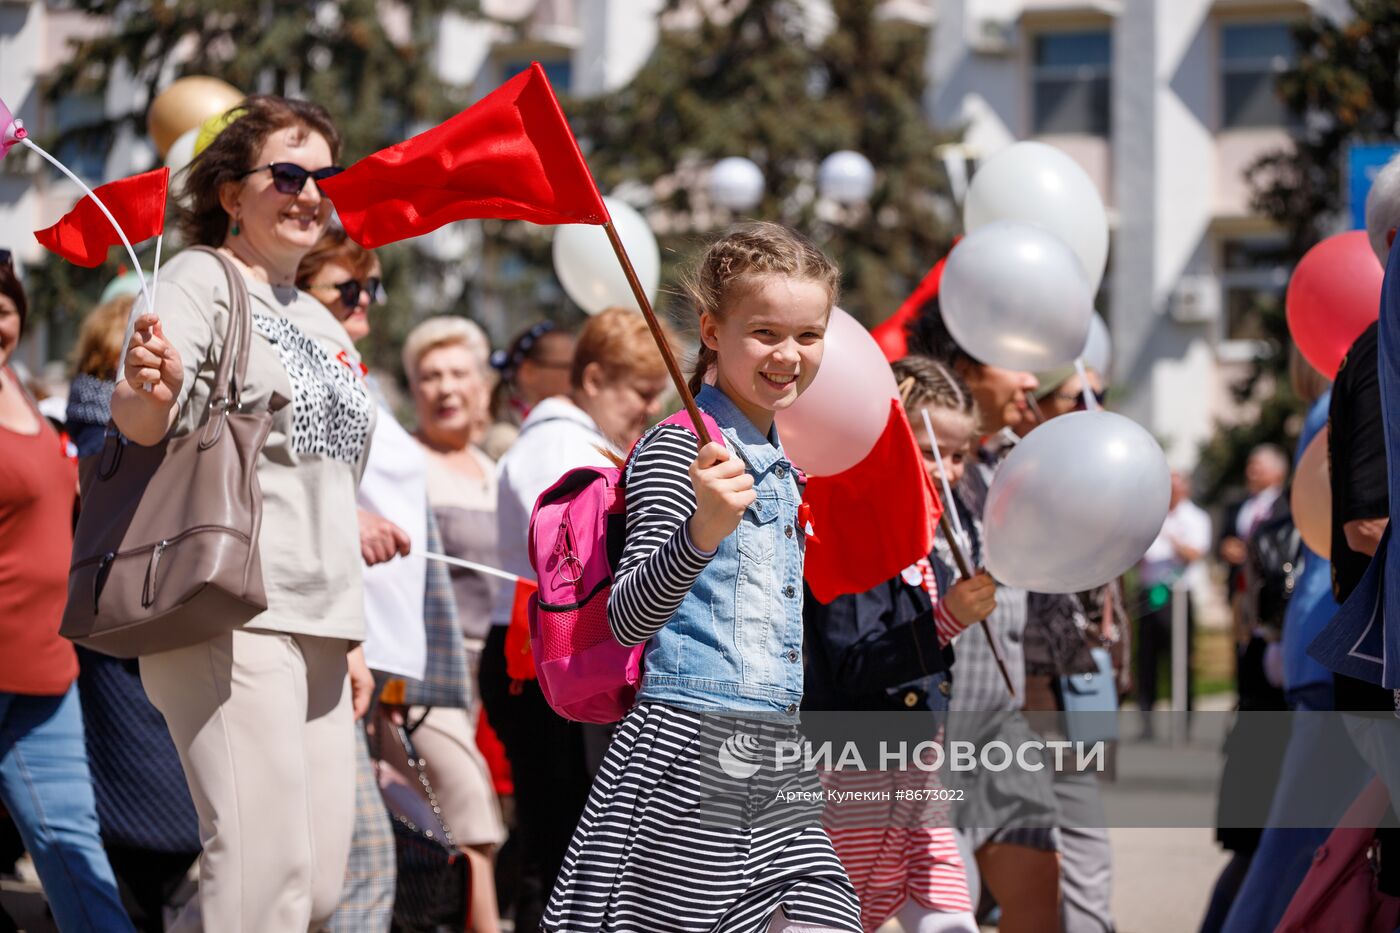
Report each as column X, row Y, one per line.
column 520, row 660
column 892, row 334
column 84, row 235
column 510, row 156
column 873, row 520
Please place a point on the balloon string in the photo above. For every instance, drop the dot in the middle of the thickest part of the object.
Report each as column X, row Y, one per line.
column 948, row 506
column 471, row 565
column 1090, row 403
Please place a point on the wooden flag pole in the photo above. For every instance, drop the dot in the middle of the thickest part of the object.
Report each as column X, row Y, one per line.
column 965, row 571
column 656, row 333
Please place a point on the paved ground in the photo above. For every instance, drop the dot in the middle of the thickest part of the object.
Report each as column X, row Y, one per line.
column 1162, row 877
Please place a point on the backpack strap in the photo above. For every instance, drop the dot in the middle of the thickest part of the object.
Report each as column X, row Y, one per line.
column 680, row 419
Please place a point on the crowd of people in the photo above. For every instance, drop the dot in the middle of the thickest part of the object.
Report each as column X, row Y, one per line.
column 273, row 754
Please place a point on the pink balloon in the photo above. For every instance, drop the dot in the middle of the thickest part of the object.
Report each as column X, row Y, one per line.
column 836, row 422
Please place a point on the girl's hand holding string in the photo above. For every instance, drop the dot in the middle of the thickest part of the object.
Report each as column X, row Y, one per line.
column 723, row 490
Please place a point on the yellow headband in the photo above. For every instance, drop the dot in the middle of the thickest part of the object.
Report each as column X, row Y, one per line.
column 215, row 125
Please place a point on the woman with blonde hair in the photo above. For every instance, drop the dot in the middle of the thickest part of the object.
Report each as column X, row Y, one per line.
column 96, row 359
column 444, row 361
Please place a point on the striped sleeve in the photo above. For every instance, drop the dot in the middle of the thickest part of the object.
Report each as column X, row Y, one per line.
column 946, row 624
column 659, row 562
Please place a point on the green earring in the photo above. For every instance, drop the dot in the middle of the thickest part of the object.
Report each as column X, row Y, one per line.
column 234, row 231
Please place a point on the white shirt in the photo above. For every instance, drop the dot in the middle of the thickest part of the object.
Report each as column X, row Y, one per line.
column 395, row 486
column 557, row 437
column 1187, row 525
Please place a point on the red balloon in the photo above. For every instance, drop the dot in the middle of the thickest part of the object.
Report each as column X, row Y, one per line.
column 1333, row 295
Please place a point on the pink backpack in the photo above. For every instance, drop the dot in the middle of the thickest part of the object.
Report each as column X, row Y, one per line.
column 577, row 533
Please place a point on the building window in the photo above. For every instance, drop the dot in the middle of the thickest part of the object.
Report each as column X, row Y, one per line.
column 1252, row 55
column 1070, row 82
column 84, row 152
column 560, row 72
column 1253, row 278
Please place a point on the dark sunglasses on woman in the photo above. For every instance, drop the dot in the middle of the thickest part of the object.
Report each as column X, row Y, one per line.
column 290, row 178
column 350, row 290
column 6, row 257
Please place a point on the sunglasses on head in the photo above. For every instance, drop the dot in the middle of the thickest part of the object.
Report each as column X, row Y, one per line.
column 290, row 178
column 350, row 290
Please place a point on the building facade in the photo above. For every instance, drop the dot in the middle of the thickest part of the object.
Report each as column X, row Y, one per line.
column 1163, row 102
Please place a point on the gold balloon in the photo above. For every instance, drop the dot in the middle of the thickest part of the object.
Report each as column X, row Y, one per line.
column 1312, row 496
column 185, row 105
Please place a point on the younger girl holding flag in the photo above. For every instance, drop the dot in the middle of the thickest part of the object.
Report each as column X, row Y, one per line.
column 891, row 648
column 680, row 831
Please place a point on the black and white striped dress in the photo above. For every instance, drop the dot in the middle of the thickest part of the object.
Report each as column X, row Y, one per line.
column 668, row 840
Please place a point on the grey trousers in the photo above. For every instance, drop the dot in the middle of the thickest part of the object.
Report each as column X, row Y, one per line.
column 1086, row 859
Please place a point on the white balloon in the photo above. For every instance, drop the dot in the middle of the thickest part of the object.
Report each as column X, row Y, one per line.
column 847, row 177
column 736, row 183
column 1013, row 296
column 1039, row 184
column 590, row 271
column 180, row 155
column 450, row 242
column 1098, row 351
column 1078, row 502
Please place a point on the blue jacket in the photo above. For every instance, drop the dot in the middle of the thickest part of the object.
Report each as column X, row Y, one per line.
column 1311, row 606
column 735, row 643
column 878, row 650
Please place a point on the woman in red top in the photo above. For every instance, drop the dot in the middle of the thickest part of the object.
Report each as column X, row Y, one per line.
column 44, row 780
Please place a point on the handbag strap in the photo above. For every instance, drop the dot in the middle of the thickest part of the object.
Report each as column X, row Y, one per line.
column 420, row 767
column 232, row 371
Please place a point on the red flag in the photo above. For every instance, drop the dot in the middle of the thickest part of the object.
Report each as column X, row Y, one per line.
column 873, row 520
column 892, row 335
column 520, row 660
column 510, row 156
column 84, row 234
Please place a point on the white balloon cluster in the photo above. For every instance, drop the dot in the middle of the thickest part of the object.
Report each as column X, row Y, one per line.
column 1082, row 496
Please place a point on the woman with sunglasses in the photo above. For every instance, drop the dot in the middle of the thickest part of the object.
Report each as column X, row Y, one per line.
column 1014, row 844
column 262, row 714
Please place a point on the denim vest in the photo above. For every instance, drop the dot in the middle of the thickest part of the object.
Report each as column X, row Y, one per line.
column 735, row 643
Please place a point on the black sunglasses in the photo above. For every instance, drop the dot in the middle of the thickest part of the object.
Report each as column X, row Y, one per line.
column 290, row 178
column 350, row 290
column 6, row 257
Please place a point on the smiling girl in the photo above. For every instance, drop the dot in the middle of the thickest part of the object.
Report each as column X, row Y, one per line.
column 711, row 580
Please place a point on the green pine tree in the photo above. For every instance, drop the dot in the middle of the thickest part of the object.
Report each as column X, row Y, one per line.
column 1346, row 87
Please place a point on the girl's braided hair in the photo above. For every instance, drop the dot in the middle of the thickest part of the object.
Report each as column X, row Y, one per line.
column 743, row 255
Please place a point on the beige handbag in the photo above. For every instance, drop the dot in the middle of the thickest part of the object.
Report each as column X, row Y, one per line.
column 165, row 553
